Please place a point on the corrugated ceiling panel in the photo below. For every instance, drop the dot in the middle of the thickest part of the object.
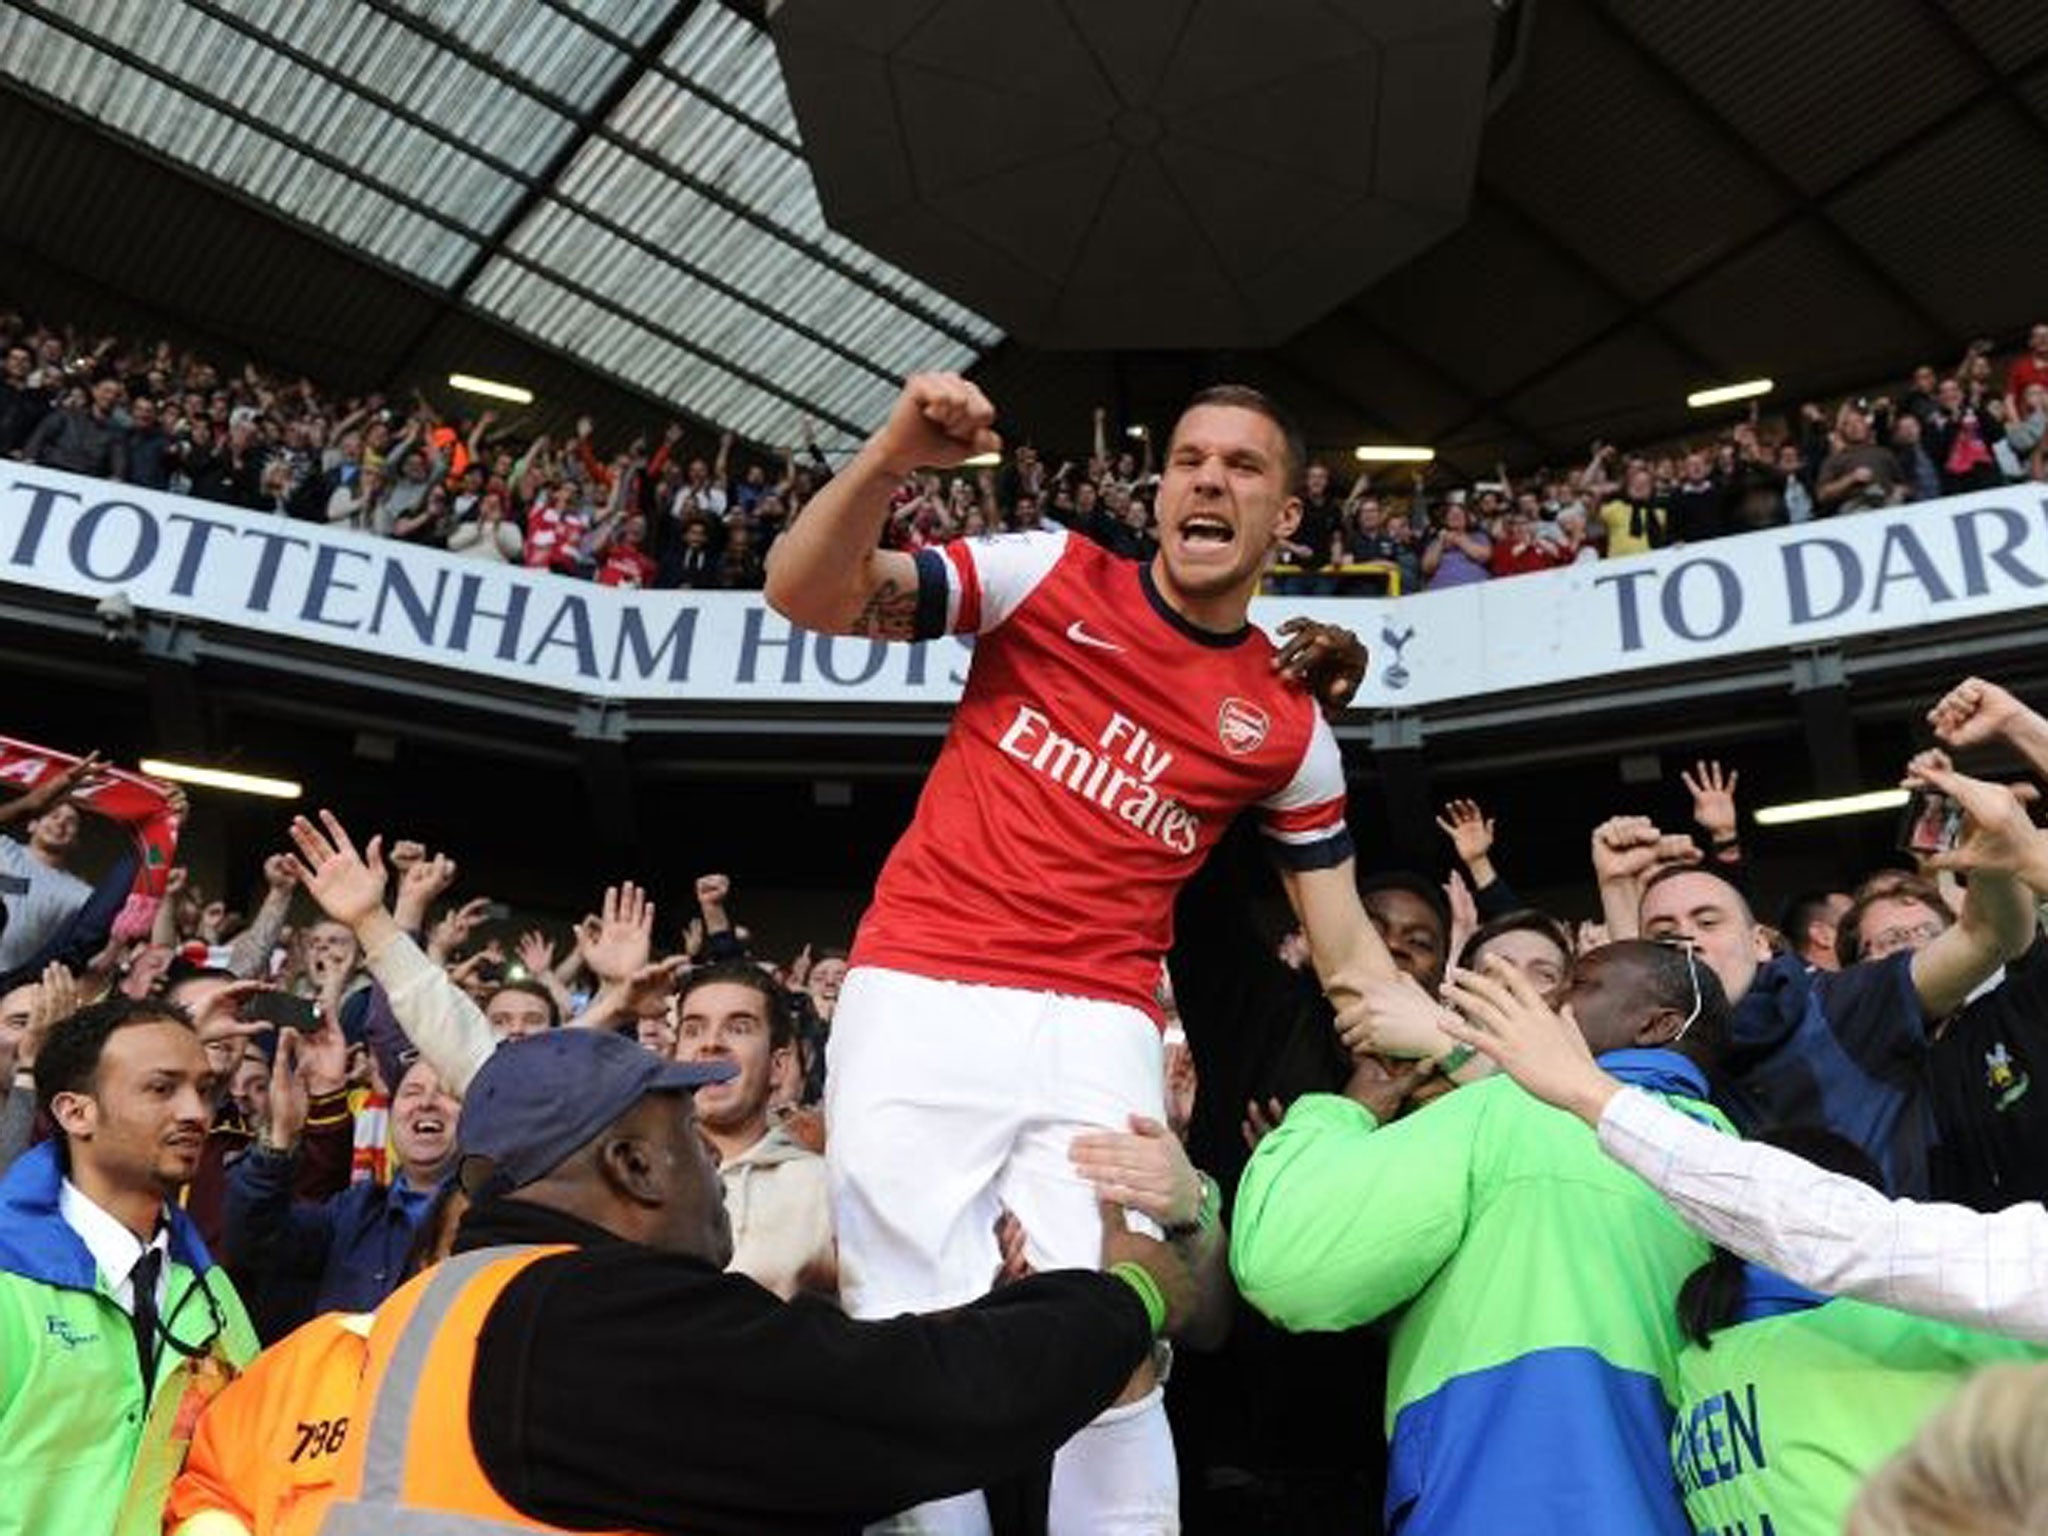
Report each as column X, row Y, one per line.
column 734, row 61
column 538, row 44
column 271, row 87
column 549, row 313
column 1754, row 60
column 187, row 130
column 305, row 109
column 708, row 236
column 397, row 63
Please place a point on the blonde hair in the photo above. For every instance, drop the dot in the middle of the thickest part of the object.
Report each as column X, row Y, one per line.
column 1979, row 1467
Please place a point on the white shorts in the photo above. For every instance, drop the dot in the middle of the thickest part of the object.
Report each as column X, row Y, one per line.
column 946, row 1102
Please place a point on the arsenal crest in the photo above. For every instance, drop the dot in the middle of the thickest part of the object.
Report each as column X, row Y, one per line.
column 1241, row 726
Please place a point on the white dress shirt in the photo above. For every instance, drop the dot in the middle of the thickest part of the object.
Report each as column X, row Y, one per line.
column 1837, row 1235
column 114, row 1248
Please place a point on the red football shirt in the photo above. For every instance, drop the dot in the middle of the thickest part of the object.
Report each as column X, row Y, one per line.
column 1101, row 747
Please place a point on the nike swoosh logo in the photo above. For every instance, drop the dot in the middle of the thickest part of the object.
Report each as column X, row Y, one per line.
column 1081, row 636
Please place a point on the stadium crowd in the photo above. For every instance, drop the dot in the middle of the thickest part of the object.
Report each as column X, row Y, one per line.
column 276, row 1174
column 1666, row 1363
column 664, row 515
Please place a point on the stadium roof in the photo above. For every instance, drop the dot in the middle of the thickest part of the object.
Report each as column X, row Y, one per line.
column 609, row 199
column 616, row 179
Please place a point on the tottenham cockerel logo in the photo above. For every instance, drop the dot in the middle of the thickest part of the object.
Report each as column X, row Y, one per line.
column 1241, row 726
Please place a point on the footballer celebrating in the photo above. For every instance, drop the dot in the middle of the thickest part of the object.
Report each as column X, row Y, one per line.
column 1117, row 716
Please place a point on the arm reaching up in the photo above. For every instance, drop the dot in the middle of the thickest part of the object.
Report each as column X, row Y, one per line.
column 1976, row 712
column 826, row 572
column 437, row 1016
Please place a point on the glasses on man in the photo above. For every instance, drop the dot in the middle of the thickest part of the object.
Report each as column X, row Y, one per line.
column 1889, row 941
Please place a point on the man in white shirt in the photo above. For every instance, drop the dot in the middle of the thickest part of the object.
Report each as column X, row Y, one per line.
column 1823, row 1231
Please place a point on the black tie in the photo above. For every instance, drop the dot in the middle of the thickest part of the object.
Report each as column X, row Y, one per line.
column 143, row 1278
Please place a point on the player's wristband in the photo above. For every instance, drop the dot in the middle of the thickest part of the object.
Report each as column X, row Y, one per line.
column 1210, row 1207
column 1139, row 1279
column 1454, row 1058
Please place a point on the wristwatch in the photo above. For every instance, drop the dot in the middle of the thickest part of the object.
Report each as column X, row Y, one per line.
column 1205, row 1213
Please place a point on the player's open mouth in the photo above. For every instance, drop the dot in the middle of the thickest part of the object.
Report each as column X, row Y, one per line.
column 429, row 1125
column 1207, row 530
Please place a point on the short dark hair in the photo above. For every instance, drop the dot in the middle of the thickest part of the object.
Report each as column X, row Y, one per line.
column 1673, row 871
column 744, row 973
column 1245, row 398
column 526, row 988
column 69, row 1061
column 1800, row 914
column 1522, row 920
column 1428, row 894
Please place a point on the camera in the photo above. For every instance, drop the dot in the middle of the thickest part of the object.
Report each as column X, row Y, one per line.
column 116, row 614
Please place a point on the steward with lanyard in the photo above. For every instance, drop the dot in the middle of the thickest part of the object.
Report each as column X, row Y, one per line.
column 116, row 1327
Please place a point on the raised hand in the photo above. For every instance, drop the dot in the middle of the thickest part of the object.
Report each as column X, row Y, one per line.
column 1975, row 712
column 537, row 953
column 290, row 1098
column 219, row 1022
column 323, row 1055
column 279, row 875
column 1470, row 830
column 1998, row 834
column 424, row 880
column 1713, row 799
column 455, row 926
column 57, row 997
column 1145, row 1168
column 1628, row 848
column 1464, row 913
column 404, row 854
column 939, row 420
column 88, row 773
column 617, row 943
column 349, row 886
column 624, row 998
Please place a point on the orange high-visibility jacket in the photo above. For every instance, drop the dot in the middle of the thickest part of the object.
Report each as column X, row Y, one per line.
column 408, row 1466
column 265, row 1450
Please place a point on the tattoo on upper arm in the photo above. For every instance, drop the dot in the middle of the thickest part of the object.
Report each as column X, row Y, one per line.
column 890, row 613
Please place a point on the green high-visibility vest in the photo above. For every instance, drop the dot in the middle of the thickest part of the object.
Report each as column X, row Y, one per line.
column 1780, row 1421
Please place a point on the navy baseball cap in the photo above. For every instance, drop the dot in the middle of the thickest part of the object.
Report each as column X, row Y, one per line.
column 537, row 1100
